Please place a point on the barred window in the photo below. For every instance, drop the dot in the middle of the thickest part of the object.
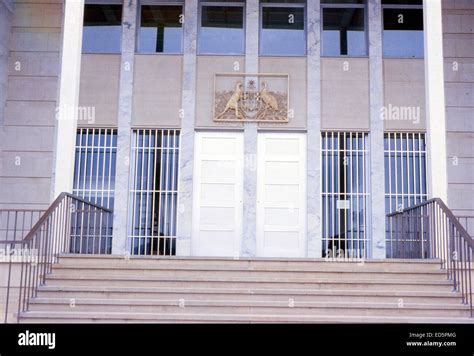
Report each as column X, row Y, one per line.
column 344, row 194
column 154, row 191
column 94, row 180
column 405, row 170
column 405, row 179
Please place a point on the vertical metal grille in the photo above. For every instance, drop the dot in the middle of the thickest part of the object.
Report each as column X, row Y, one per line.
column 154, row 191
column 94, row 180
column 344, row 194
column 405, row 176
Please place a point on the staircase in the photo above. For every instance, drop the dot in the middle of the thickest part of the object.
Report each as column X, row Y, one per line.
column 113, row 289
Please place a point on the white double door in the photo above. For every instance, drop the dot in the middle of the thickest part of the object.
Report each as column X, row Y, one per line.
column 218, row 194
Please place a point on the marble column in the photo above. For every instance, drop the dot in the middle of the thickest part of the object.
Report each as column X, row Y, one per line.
column 6, row 15
column 435, row 99
column 249, row 228
column 313, row 151
column 68, row 99
column 120, row 241
column 376, row 209
column 186, row 158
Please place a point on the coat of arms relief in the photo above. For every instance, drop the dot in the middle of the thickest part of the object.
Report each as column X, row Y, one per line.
column 251, row 98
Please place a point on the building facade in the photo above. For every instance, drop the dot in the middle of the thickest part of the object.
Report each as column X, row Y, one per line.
column 240, row 128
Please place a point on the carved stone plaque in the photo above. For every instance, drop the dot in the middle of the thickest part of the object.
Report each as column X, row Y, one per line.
column 251, row 98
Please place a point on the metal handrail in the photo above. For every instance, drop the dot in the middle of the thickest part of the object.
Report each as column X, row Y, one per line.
column 446, row 210
column 55, row 204
column 431, row 230
column 71, row 224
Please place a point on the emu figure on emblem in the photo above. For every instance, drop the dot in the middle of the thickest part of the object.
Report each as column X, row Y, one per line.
column 268, row 99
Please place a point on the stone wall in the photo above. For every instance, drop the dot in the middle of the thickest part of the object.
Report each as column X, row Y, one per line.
column 28, row 126
column 458, row 37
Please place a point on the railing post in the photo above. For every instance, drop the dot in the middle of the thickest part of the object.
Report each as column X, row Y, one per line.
column 8, row 283
column 469, row 265
column 452, row 254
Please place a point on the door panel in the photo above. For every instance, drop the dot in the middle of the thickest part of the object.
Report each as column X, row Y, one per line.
column 218, row 189
column 281, row 195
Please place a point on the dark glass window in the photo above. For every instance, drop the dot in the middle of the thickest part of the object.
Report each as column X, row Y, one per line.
column 283, row 31
column 222, row 29
column 342, row 1
column 102, row 28
column 403, row 32
column 161, row 29
column 344, row 32
column 283, row 1
column 402, row 2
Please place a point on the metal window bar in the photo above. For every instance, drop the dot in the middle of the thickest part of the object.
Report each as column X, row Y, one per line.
column 94, row 181
column 154, row 191
column 405, row 186
column 344, row 194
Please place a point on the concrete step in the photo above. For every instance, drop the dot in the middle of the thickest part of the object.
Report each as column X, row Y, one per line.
column 101, row 317
column 200, row 272
column 228, row 282
column 316, row 295
column 203, row 290
column 247, row 307
column 174, row 262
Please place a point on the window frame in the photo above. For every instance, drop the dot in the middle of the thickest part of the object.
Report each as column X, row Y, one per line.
column 283, row 5
column 199, row 26
column 401, row 7
column 102, row 2
column 366, row 28
column 139, row 25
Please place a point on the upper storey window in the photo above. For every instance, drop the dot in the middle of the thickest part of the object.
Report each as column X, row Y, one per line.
column 221, row 27
column 403, row 28
column 282, row 29
column 344, row 28
column 161, row 29
column 102, row 28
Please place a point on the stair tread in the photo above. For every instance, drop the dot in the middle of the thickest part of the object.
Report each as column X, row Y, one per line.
column 249, row 279
column 197, row 317
column 226, row 268
column 246, row 291
column 285, row 304
column 245, row 259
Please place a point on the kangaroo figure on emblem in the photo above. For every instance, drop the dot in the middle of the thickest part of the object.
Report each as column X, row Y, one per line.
column 233, row 103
